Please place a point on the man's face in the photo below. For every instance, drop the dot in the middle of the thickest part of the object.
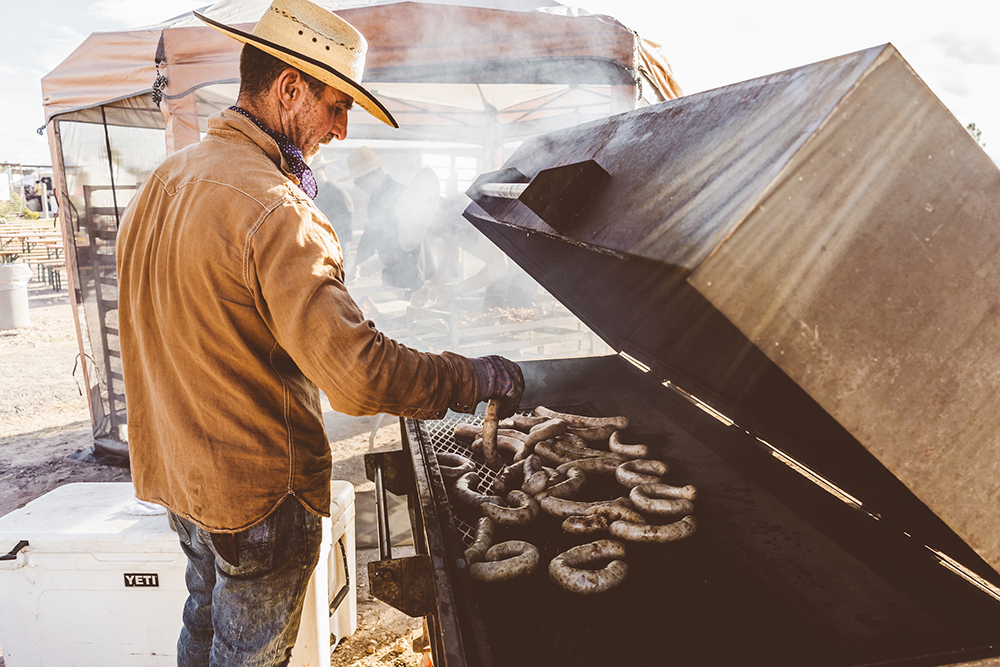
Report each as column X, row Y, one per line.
column 320, row 120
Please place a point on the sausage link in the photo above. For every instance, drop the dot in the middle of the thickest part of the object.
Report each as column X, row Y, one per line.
column 549, row 453
column 505, row 561
column 628, row 451
column 512, row 446
column 522, row 423
column 490, row 427
column 466, row 433
column 579, row 421
column 566, row 572
column 464, row 492
column 536, row 483
column 563, row 508
column 594, row 433
column 582, row 451
column 547, row 429
column 640, row 471
column 570, row 486
column 508, row 479
column 454, row 466
column 642, row 532
column 523, row 508
column 598, row 465
column 663, row 499
column 585, row 525
column 613, row 512
column 484, row 539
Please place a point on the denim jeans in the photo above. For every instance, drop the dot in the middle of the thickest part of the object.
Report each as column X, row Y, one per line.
column 247, row 613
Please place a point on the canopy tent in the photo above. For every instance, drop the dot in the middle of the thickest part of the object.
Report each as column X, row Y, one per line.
column 471, row 80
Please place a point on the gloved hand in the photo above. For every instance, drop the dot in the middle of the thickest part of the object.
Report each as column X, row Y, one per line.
column 501, row 379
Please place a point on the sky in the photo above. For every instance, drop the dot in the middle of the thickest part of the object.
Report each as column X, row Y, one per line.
column 953, row 46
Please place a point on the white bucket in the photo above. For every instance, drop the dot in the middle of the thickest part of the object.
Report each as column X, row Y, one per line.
column 14, row 296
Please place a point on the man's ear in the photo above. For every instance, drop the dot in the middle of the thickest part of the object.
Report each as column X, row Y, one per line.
column 290, row 88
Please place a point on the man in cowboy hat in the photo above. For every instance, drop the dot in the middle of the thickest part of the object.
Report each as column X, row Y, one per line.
column 233, row 310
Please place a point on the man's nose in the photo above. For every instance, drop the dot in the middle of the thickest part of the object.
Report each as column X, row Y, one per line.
column 340, row 126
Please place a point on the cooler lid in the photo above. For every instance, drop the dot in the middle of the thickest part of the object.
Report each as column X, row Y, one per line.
column 87, row 517
column 834, row 221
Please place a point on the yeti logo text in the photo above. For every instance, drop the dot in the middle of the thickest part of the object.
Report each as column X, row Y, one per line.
column 137, row 580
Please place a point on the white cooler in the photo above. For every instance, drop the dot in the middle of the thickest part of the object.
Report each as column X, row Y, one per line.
column 98, row 585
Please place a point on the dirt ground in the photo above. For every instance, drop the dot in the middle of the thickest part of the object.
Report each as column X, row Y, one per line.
column 45, row 436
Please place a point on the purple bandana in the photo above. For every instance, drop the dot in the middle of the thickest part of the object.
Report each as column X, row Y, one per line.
column 293, row 155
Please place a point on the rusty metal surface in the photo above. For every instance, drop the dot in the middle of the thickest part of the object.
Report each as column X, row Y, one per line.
column 868, row 273
column 816, row 247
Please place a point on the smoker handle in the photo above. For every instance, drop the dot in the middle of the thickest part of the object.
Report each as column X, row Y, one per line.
column 382, row 516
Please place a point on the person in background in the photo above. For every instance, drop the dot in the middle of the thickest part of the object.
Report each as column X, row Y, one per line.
column 234, row 314
column 334, row 201
column 403, row 264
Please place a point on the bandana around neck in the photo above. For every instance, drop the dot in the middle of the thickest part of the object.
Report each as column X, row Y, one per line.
column 293, row 154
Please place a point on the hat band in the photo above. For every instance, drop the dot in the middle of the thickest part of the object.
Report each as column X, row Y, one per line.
column 299, row 56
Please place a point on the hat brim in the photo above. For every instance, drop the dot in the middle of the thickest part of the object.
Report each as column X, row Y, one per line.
column 369, row 168
column 320, row 70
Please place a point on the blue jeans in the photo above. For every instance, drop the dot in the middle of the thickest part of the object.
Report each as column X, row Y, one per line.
column 244, row 611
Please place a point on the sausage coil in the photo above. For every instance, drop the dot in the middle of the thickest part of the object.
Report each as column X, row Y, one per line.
column 628, row 451
column 522, row 423
column 484, row 539
column 547, row 429
column 598, row 465
column 663, row 499
column 613, row 512
column 505, row 561
column 523, row 508
column 585, row 525
column 566, row 572
column 454, row 466
column 641, row 532
column 640, row 471
column 464, row 492
column 581, row 422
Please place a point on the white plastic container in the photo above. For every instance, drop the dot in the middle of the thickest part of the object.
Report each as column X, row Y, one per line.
column 14, row 296
column 99, row 586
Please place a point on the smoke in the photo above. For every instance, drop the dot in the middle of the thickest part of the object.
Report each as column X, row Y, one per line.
column 965, row 50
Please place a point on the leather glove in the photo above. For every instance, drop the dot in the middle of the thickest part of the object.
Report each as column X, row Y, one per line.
column 499, row 379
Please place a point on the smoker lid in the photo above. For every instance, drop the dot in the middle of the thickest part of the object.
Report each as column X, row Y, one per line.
column 833, row 221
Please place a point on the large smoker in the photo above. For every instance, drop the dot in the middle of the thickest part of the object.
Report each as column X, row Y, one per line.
column 801, row 276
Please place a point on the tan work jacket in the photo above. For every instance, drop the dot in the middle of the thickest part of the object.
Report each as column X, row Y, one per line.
column 232, row 311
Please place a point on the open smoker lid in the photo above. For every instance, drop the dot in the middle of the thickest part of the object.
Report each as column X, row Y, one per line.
column 817, row 248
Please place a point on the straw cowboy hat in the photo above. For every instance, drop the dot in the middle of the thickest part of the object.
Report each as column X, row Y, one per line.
column 317, row 42
column 361, row 161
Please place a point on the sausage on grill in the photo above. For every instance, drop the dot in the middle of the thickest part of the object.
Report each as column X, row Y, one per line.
column 640, row 471
column 566, row 572
column 454, row 466
column 585, row 525
column 642, row 532
column 598, row 465
column 523, row 508
column 581, row 422
column 505, row 561
column 628, row 451
column 483, row 541
column 490, row 427
column 464, row 492
column 663, row 499
column 568, row 487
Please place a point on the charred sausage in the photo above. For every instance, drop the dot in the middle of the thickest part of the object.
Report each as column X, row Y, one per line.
column 613, row 512
column 566, row 572
column 568, row 487
column 562, row 508
column 505, row 561
column 643, row 532
column 508, row 479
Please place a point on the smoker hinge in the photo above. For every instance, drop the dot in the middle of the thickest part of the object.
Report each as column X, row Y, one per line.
column 404, row 583
column 397, row 471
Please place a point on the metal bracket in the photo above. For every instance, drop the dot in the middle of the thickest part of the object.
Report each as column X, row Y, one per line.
column 397, row 472
column 404, row 583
